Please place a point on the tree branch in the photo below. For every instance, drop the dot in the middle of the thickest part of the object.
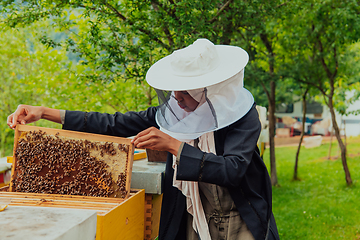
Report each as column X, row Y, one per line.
column 322, row 60
column 108, row 102
column 220, row 11
column 283, row 4
column 131, row 23
column 165, row 29
column 265, row 89
column 170, row 13
column 313, row 84
column 117, row 39
column 114, row 10
column 336, row 63
column 267, row 43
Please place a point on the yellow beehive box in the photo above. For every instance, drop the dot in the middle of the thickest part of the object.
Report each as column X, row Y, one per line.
column 120, row 214
column 117, row 218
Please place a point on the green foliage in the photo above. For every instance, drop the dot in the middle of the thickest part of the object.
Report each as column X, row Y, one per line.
column 111, row 44
column 348, row 84
column 317, row 40
column 118, row 40
column 34, row 75
column 320, row 205
column 23, row 68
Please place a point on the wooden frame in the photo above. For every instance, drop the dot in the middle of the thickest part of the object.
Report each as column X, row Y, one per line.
column 20, row 129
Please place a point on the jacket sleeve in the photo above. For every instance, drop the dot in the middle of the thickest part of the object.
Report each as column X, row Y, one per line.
column 235, row 146
column 118, row 124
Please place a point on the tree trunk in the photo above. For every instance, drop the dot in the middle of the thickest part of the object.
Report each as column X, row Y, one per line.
column 148, row 95
column 295, row 177
column 331, row 136
column 273, row 175
column 340, row 142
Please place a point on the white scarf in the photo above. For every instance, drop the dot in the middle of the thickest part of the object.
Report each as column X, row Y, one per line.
column 191, row 189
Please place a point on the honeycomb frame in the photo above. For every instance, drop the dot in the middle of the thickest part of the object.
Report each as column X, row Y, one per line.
column 56, row 161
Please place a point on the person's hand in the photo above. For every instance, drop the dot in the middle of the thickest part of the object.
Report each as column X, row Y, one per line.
column 24, row 114
column 155, row 139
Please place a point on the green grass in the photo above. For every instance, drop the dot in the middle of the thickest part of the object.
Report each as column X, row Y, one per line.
column 320, row 205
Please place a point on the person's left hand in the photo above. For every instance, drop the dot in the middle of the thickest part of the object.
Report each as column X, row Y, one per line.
column 155, row 139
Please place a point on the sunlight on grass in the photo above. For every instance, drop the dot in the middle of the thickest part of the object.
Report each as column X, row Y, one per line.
column 320, row 205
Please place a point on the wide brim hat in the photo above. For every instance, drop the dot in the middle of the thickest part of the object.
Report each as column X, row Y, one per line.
column 199, row 65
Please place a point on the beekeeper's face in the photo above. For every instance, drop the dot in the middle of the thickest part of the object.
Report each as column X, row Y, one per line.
column 185, row 101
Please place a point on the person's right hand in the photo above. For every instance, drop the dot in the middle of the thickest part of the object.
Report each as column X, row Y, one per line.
column 24, row 114
column 155, row 139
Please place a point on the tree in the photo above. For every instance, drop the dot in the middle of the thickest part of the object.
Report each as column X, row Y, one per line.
column 322, row 31
column 32, row 74
column 258, row 33
column 21, row 72
column 348, row 86
column 120, row 40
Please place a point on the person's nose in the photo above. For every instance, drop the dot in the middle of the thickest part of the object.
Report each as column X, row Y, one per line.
column 178, row 96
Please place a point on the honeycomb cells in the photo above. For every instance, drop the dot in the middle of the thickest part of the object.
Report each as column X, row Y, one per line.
column 58, row 165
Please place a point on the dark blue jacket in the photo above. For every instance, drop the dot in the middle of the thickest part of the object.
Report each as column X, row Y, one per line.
column 236, row 166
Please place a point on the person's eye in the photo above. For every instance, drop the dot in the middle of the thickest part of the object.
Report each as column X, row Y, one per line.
column 185, row 92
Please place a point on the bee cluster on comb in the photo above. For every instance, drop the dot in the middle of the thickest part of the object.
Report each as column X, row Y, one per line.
column 56, row 164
